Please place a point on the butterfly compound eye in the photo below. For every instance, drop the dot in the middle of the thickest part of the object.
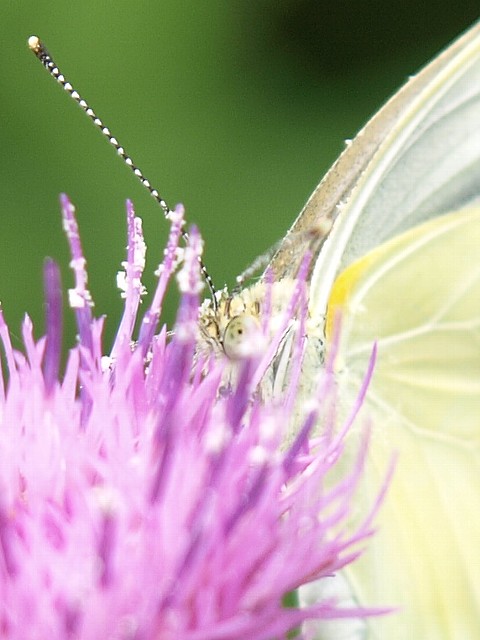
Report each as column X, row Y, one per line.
column 239, row 339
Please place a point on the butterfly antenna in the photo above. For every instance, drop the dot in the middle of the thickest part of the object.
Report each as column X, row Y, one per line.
column 38, row 48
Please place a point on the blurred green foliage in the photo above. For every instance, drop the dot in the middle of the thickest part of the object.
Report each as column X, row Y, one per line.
column 235, row 108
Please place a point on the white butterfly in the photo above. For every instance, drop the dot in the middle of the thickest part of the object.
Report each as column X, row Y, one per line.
column 395, row 230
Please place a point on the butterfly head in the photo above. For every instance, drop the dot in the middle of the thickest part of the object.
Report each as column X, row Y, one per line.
column 242, row 324
column 230, row 326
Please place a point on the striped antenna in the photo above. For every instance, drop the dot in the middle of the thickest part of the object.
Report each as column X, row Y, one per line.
column 38, row 48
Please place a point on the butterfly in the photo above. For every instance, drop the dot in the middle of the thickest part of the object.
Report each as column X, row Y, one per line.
column 395, row 225
column 393, row 231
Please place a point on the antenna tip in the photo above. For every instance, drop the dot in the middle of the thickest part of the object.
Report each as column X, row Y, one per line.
column 34, row 44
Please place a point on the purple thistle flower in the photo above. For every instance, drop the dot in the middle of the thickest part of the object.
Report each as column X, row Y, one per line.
column 142, row 500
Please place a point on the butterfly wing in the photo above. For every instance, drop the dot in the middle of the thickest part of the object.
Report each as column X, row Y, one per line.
column 405, row 273
column 428, row 164
column 417, row 157
column 418, row 296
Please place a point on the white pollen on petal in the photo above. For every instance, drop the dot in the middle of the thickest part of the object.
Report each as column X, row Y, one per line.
column 76, row 300
column 106, row 362
column 137, row 284
column 78, row 264
column 139, row 253
column 122, row 281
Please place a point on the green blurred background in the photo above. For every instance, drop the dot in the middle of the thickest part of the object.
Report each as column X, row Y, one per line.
column 235, row 108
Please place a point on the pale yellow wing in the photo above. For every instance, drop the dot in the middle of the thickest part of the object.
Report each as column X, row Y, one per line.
column 418, row 297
